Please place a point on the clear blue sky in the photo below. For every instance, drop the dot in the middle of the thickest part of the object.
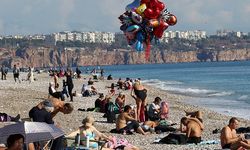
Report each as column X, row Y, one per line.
column 48, row 16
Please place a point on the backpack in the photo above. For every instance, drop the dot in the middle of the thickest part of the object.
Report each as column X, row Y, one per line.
column 174, row 138
column 111, row 111
column 3, row 117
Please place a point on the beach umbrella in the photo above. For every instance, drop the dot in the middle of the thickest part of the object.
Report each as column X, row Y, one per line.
column 32, row 131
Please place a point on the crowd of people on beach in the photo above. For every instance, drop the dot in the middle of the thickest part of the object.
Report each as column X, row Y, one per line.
column 139, row 117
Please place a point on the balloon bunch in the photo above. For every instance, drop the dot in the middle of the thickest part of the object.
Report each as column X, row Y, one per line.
column 145, row 20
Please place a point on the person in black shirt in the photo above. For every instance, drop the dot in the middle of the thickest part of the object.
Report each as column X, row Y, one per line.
column 41, row 112
column 70, row 84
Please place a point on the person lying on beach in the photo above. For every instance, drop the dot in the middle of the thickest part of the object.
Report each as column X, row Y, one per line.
column 229, row 138
column 159, row 126
column 86, row 90
column 54, row 93
column 7, row 118
column 60, row 106
column 193, row 128
column 195, row 114
column 125, row 122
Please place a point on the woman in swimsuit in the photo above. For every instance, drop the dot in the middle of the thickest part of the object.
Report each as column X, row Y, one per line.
column 88, row 130
column 140, row 94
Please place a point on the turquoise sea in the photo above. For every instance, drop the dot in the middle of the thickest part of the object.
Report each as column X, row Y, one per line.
column 220, row 86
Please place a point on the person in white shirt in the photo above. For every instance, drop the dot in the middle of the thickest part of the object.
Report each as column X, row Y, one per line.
column 154, row 109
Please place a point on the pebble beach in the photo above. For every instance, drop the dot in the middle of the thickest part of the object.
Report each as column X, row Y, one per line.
column 19, row 98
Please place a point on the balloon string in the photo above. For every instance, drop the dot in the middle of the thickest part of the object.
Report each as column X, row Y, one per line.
column 147, row 52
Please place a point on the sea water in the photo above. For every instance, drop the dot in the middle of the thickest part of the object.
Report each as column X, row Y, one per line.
column 221, row 86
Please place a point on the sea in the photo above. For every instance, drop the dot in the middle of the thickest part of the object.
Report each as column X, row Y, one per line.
column 223, row 87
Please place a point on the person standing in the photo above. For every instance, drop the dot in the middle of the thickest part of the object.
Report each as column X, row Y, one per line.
column 31, row 74
column 3, row 72
column 70, row 84
column 139, row 93
column 16, row 72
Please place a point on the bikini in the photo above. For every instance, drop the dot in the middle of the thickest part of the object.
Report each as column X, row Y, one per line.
column 141, row 94
column 226, row 146
column 91, row 136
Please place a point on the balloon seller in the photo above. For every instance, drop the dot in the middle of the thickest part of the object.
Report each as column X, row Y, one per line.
column 145, row 20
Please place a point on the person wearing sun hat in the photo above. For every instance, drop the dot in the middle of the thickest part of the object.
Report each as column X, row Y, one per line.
column 87, row 130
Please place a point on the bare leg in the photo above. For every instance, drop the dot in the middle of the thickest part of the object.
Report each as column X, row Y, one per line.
column 195, row 114
column 138, row 109
column 140, row 130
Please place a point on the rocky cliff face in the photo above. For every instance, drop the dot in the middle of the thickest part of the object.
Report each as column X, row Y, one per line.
column 48, row 57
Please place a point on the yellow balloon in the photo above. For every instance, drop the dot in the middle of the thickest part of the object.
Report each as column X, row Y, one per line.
column 141, row 9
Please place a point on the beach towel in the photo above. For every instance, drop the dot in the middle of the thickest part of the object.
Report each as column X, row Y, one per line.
column 118, row 143
column 203, row 142
column 174, row 138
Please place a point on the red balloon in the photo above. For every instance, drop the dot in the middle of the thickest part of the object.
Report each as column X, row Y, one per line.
column 158, row 31
column 172, row 20
column 145, row 1
column 160, row 6
column 152, row 14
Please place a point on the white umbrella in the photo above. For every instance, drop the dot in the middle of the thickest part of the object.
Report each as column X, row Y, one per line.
column 32, row 131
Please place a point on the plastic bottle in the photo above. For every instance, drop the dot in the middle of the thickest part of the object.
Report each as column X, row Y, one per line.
column 87, row 141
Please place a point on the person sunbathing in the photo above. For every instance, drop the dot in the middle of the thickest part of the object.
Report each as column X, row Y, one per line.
column 195, row 114
column 88, row 130
column 54, row 93
column 122, row 125
column 229, row 138
column 193, row 128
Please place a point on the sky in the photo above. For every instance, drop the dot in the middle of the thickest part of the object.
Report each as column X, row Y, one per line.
column 48, row 16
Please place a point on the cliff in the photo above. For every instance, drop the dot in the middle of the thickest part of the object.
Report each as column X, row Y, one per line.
column 51, row 56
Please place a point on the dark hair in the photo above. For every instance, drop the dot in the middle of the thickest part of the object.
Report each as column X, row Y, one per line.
column 127, row 107
column 183, row 119
column 13, row 138
column 157, row 99
column 68, row 107
column 232, row 120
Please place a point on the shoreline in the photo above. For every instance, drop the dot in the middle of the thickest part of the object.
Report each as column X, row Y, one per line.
column 20, row 98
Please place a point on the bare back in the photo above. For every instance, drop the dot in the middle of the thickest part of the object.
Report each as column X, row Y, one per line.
column 193, row 129
column 122, row 120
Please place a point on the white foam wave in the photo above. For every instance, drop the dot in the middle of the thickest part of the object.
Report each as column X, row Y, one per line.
column 175, row 86
column 223, row 93
column 243, row 97
column 157, row 81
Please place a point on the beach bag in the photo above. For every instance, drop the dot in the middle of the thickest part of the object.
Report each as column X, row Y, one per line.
column 174, row 138
column 3, row 117
column 111, row 111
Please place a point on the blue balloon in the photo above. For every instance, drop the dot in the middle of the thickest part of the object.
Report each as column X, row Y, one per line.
column 134, row 4
column 132, row 28
column 139, row 44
